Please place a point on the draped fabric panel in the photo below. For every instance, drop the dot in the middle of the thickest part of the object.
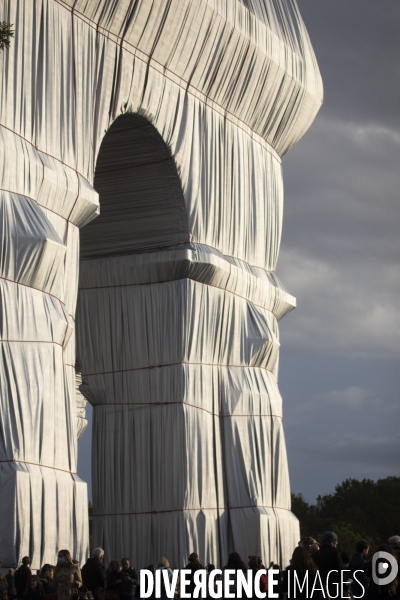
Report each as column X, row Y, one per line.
column 188, row 416
column 178, row 306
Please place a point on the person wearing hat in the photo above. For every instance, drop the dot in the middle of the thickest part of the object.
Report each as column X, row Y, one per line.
column 327, row 559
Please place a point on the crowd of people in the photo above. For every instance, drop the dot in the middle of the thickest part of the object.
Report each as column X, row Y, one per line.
column 342, row 575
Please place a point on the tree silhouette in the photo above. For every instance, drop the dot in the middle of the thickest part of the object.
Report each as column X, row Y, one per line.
column 357, row 510
column 6, row 33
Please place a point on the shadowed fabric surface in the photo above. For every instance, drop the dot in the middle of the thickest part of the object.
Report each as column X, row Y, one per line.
column 142, row 203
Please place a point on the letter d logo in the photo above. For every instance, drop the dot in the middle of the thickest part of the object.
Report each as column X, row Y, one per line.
column 384, row 568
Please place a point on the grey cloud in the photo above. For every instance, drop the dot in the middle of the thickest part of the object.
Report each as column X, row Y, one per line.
column 342, row 191
column 349, row 310
column 352, row 397
column 360, row 453
column 340, row 250
column 340, row 255
column 357, row 45
column 349, row 431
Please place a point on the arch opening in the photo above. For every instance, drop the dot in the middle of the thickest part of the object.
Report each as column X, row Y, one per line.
column 142, row 206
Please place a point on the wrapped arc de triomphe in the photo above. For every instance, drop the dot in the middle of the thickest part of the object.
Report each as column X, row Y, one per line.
column 177, row 112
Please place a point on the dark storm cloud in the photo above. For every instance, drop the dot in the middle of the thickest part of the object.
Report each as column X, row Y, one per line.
column 357, row 47
column 342, row 189
column 345, row 433
column 340, row 254
column 372, row 458
column 340, row 250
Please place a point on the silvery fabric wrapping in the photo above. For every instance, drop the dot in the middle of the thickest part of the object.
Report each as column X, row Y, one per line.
column 184, row 109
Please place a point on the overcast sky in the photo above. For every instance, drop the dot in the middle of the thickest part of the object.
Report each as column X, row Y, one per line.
column 339, row 366
column 339, row 373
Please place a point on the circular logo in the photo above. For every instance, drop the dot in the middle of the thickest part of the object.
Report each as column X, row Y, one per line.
column 384, row 568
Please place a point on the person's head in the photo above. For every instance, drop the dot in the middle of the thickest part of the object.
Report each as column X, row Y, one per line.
column 64, row 558
column 394, row 541
column 113, row 566
column 234, row 561
column 210, row 567
column 307, row 541
column 126, row 563
column 302, row 561
column 33, row 585
column 163, row 562
column 99, row 554
column 329, row 538
column 26, row 561
column 47, row 571
column 346, row 557
column 151, row 568
column 362, row 547
column 33, row 582
column 194, row 558
column 44, row 568
column 313, row 548
column 255, row 562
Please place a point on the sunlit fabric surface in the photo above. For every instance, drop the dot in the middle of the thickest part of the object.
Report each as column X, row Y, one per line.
column 178, row 112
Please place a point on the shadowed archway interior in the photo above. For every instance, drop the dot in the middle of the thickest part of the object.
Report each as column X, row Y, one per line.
column 141, row 199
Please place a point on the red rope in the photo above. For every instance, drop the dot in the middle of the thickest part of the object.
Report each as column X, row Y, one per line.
column 38, row 203
column 24, row 462
column 219, row 415
column 32, row 288
column 31, row 342
column 174, row 364
column 97, row 27
column 158, row 512
column 42, row 151
column 224, row 289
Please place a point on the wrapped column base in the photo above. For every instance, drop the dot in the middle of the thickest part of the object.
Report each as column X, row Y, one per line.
column 43, row 511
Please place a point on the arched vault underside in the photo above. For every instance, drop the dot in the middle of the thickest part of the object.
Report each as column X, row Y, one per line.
column 142, row 202
column 175, row 114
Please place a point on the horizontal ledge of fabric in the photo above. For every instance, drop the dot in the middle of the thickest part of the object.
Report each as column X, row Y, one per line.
column 36, row 290
column 219, row 415
column 175, row 364
column 245, row 128
column 46, row 153
column 25, row 462
column 177, row 248
column 41, row 206
column 216, row 287
column 159, row 512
